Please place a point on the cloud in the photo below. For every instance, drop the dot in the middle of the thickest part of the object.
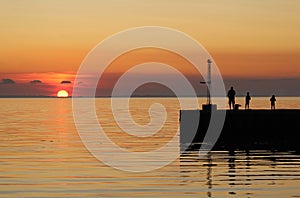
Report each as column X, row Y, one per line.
column 7, row 81
column 35, row 82
column 65, row 82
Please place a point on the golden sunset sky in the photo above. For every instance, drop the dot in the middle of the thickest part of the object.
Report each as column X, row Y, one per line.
column 247, row 39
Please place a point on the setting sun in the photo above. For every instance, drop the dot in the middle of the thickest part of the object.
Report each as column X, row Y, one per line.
column 62, row 94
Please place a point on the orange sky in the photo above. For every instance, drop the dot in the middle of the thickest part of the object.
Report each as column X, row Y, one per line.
column 247, row 39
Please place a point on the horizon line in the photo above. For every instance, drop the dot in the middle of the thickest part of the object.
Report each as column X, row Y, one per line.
column 143, row 96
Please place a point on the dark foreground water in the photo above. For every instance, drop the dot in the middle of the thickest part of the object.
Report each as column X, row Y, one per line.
column 41, row 155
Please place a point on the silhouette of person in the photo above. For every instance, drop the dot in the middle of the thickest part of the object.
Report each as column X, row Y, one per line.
column 231, row 97
column 273, row 100
column 247, row 101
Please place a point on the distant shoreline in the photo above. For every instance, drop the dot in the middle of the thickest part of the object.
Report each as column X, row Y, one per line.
column 261, row 96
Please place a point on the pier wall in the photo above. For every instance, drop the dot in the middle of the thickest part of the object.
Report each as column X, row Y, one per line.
column 245, row 129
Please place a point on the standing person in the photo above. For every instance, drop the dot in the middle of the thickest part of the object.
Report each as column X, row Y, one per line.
column 248, row 98
column 273, row 100
column 231, row 97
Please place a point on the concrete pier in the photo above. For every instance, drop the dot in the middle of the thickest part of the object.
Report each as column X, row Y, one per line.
column 245, row 129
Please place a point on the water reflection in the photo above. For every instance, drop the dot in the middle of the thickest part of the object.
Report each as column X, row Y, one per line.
column 209, row 175
column 246, row 173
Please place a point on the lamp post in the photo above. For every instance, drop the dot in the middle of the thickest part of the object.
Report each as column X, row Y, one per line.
column 208, row 105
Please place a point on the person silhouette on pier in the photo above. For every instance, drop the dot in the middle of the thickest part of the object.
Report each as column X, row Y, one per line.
column 231, row 97
column 273, row 100
column 247, row 101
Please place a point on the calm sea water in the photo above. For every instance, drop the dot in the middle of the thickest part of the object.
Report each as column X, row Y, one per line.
column 41, row 155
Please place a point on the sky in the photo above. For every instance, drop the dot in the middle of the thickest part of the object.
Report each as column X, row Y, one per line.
column 250, row 41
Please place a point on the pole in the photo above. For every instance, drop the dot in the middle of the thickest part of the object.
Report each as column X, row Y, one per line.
column 208, row 81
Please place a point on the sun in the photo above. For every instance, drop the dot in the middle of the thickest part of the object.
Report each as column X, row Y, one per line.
column 62, row 94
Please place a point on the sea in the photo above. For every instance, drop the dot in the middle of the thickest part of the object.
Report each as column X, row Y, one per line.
column 42, row 155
